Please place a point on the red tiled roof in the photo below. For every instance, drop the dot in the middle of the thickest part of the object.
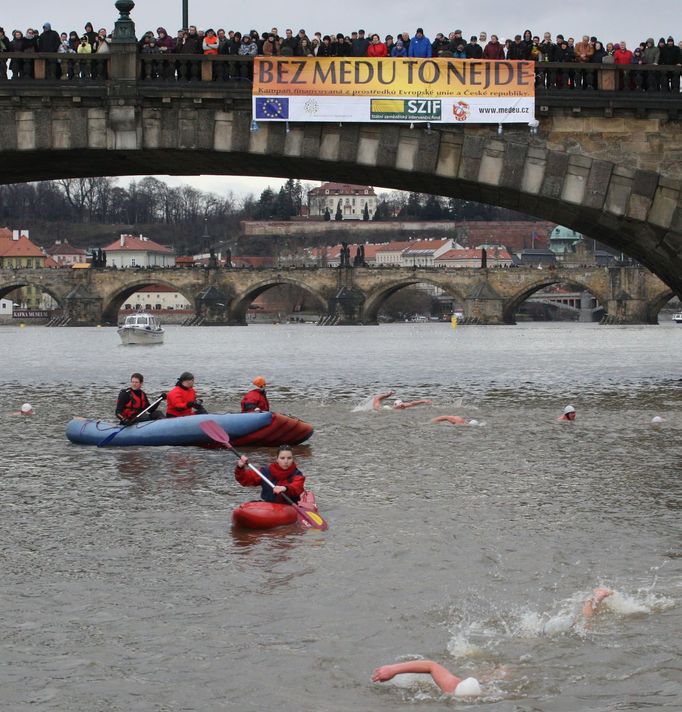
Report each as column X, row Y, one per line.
column 22, row 247
column 136, row 244
column 467, row 254
column 184, row 260
column 63, row 248
column 5, row 232
column 50, row 263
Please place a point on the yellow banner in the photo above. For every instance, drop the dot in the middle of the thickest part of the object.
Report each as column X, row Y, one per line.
column 386, row 76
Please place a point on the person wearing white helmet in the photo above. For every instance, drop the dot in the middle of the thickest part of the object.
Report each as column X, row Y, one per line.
column 26, row 409
column 568, row 414
column 448, row 683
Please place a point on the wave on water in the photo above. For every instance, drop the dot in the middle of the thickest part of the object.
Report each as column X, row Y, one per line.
column 479, row 638
column 363, row 406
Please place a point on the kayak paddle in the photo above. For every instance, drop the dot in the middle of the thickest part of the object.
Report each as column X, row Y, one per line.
column 215, row 432
column 111, row 436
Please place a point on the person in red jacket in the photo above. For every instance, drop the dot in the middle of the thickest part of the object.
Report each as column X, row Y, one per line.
column 377, row 48
column 283, row 473
column 182, row 400
column 256, row 400
column 132, row 401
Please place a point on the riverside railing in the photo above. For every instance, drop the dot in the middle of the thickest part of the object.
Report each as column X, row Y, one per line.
column 560, row 81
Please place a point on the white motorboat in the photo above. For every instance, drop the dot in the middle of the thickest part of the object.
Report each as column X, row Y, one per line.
column 141, row 328
column 677, row 318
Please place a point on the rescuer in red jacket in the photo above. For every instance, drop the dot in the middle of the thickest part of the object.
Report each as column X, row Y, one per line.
column 256, row 400
column 182, row 400
column 132, row 401
column 283, row 473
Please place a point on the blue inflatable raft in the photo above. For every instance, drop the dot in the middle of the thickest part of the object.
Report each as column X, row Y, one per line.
column 269, row 429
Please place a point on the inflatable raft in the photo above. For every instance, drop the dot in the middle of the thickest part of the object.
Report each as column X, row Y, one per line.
column 269, row 429
column 268, row 515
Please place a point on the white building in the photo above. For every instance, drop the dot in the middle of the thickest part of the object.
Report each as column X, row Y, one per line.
column 65, row 254
column 157, row 297
column 6, row 307
column 351, row 198
column 131, row 251
column 416, row 253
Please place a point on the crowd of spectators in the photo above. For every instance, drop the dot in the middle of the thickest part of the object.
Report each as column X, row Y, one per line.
column 194, row 41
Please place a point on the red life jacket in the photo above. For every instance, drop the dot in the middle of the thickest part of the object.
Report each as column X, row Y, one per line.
column 137, row 402
column 255, row 399
column 177, row 402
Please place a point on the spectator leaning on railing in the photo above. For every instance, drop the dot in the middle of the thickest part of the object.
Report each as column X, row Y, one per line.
column 420, row 45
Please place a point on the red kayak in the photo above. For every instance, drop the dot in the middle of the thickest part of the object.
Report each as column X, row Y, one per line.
column 268, row 515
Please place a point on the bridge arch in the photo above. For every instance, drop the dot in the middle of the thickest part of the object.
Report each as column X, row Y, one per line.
column 243, row 299
column 112, row 303
column 8, row 288
column 513, row 303
column 577, row 170
column 657, row 303
column 375, row 299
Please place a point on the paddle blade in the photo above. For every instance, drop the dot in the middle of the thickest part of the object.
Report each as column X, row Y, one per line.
column 215, row 432
column 312, row 519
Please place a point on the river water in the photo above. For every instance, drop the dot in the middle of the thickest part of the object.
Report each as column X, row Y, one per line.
column 124, row 587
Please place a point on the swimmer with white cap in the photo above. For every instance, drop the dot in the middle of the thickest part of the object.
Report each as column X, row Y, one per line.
column 379, row 398
column 26, row 409
column 568, row 414
column 657, row 420
column 455, row 420
column 448, row 683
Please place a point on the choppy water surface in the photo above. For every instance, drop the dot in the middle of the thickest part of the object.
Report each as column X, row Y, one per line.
column 124, row 588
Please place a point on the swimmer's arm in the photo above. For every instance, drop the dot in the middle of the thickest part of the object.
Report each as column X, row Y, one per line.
column 441, row 676
column 376, row 401
column 411, row 404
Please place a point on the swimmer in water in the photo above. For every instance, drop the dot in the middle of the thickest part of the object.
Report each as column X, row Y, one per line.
column 379, row 398
column 593, row 603
column 26, row 409
column 455, row 420
column 448, row 683
column 568, row 414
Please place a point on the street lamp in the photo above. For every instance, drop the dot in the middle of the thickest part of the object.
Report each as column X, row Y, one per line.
column 185, row 14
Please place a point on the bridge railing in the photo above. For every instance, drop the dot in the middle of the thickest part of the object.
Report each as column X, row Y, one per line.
column 53, row 66
column 552, row 80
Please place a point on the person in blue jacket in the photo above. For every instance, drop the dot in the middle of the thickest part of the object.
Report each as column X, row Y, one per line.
column 420, row 46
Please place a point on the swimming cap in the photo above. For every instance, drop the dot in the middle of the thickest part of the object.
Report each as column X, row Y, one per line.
column 657, row 419
column 468, row 688
column 26, row 408
column 473, row 421
column 569, row 409
column 259, row 382
column 398, row 403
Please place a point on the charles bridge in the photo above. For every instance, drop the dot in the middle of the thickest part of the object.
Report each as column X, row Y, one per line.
column 604, row 156
column 630, row 295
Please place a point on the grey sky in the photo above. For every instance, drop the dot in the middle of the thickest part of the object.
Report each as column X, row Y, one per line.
column 610, row 20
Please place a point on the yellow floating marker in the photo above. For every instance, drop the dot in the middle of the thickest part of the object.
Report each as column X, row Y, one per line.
column 453, row 321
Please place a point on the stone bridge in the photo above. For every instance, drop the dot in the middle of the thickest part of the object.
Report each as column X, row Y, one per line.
column 605, row 160
column 630, row 295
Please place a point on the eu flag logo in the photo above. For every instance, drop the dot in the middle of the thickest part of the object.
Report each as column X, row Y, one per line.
column 272, row 108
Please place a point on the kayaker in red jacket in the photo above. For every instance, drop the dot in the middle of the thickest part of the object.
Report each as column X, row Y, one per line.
column 256, row 400
column 182, row 400
column 283, row 473
column 132, row 401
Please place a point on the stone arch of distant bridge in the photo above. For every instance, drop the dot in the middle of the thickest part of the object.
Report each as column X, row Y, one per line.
column 514, row 302
column 115, row 300
column 375, row 299
column 241, row 301
column 58, row 296
column 657, row 303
